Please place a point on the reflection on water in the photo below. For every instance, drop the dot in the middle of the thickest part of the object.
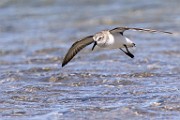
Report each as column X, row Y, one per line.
column 35, row 36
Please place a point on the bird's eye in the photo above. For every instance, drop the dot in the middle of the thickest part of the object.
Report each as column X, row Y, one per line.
column 99, row 39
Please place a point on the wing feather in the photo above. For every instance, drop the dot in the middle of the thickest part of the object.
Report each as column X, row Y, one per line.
column 76, row 47
column 122, row 29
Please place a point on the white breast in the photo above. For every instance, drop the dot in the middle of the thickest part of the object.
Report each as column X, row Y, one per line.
column 116, row 41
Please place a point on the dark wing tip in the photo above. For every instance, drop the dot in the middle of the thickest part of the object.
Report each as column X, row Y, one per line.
column 168, row 32
column 70, row 54
column 68, row 57
column 63, row 64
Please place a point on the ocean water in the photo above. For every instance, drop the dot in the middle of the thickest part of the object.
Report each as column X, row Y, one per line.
column 35, row 36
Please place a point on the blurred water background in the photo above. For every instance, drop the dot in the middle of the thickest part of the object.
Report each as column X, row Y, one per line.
column 36, row 34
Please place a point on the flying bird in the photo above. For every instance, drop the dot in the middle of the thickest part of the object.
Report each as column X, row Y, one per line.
column 110, row 39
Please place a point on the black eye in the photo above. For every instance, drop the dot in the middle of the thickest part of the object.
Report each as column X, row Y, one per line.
column 99, row 39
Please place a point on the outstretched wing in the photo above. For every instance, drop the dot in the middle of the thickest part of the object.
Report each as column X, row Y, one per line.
column 76, row 47
column 122, row 29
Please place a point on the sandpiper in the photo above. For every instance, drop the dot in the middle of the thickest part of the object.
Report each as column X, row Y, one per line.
column 110, row 39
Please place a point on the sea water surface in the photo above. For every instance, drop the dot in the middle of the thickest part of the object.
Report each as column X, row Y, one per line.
column 36, row 34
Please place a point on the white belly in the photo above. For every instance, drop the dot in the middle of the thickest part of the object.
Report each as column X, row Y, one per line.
column 117, row 41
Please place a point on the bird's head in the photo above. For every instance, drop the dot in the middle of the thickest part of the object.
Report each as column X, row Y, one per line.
column 100, row 38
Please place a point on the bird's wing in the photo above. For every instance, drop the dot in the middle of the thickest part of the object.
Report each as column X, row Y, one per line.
column 76, row 47
column 122, row 29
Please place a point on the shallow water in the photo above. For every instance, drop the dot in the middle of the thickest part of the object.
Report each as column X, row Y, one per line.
column 35, row 36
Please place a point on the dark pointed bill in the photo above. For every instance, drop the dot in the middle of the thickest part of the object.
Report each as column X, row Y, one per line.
column 76, row 47
column 95, row 43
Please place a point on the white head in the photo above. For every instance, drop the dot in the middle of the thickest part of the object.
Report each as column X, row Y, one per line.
column 101, row 38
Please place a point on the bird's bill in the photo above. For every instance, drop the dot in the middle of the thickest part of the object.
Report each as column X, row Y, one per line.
column 95, row 43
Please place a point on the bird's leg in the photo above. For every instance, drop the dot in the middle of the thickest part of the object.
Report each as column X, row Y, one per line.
column 128, row 52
